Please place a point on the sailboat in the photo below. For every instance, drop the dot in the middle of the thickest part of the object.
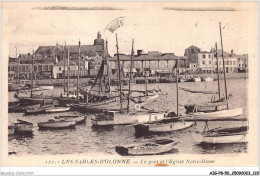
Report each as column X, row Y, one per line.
column 215, row 105
column 125, row 117
column 15, row 86
column 166, row 125
column 222, row 113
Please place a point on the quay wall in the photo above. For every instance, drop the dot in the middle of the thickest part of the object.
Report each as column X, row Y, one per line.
column 85, row 80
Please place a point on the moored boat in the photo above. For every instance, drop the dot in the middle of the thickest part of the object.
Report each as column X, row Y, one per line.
column 207, row 79
column 117, row 118
column 36, row 110
column 161, row 127
column 46, row 87
column 206, row 107
column 196, row 79
column 23, row 127
column 77, row 118
column 21, row 108
column 56, row 124
column 57, row 109
column 228, row 113
column 225, row 136
column 151, row 148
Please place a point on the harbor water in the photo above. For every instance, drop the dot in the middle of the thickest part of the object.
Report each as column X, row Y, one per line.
column 88, row 140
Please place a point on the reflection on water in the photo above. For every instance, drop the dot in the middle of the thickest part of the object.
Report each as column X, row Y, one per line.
column 91, row 140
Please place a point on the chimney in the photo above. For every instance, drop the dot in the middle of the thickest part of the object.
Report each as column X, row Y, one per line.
column 232, row 52
column 139, row 52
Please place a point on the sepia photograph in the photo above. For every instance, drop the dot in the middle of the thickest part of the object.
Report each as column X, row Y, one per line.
column 129, row 84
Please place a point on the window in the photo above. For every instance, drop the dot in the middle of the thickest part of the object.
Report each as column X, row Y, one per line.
column 27, row 68
column 23, row 68
column 35, row 68
column 46, row 67
column 227, row 62
column 209, row 56
column 203, row 62
column 234, row 62
column 230, row 62
column 239, row 65
column 59, row 68
column 203, row 56
column 209, row 62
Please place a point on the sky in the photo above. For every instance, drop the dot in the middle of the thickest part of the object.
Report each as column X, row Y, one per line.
column 151, row 27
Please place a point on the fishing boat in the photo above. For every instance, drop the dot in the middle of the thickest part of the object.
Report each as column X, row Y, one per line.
column 150, row 148
column 126, row 118
column 57, row 109
column 174, row 124
column 219, row 114
column 196, row 79
column 10, row 130
column 56, row 124
column 46, row 87
column 77, row 118
column 23, row 127
column 207, row 79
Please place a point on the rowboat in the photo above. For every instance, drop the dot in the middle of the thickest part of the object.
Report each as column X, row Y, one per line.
column 57, row 109
column 117, row 118
column 207, row 79
column 36, row 110
column 225, row 136
column 198, row 79
column 218, row 114
column 46, row 87
column 206, row 107
column 10, row 130
column 56, row 124
column 161, row 127
column 151, row 148
column 23, row 127
column 78, row 119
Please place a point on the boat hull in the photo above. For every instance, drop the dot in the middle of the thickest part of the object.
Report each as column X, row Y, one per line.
column 206, row 107
column 10, row 130
column 208, row 79
column 196, row 79
column 57, row 109
column 230, row 113
column 76, row 119
column 21, row 128
column 142, row 129
column 146, row 149
column 224, row 139
column 46, row 87
column 14, row 87
column 127, row 119
column 56, row 125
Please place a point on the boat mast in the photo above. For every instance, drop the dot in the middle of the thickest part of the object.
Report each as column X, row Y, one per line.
column 108, row 72
column 78, row 74
column 119, row 74
column 64, row 66
column 145, row 76
column 32, row 75
column 218, row 71
column 177, row 87
column 130, row 76
column 68, row 78
column 224, row 68
column 18, row 69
